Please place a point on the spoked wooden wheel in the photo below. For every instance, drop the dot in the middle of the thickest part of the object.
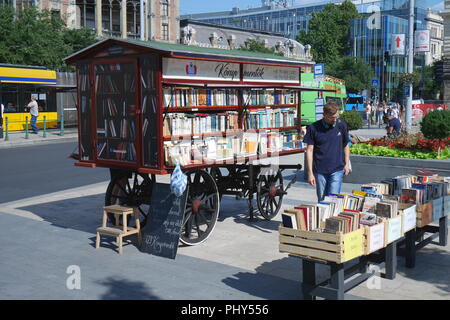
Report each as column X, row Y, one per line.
column 134, row 191
column 269, row 194
column 202, row 208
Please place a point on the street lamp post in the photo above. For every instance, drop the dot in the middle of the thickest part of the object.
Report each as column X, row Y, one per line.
column 408, row 115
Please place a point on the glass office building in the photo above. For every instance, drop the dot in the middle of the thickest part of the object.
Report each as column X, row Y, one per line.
column 371, row 44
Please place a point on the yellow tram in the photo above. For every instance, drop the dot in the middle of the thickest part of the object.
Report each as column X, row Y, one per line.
column 17, row 84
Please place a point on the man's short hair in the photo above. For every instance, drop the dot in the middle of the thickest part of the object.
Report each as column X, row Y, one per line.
column 331, row 108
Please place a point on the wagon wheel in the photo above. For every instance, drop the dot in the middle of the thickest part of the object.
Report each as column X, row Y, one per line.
column 134, row 191
column 202, row 208
column 217, row 176
column 269, row 194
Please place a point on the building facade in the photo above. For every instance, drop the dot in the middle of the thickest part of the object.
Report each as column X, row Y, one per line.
column 210, row 35
column 115, row 18
column 435, row 23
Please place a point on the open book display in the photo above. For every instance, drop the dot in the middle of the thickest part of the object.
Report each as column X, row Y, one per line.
column 345, row 226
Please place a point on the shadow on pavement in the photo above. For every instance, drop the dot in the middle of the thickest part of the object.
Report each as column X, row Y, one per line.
column 432, row 268
column 83, row 213
column 266, row 286
column 122, row 289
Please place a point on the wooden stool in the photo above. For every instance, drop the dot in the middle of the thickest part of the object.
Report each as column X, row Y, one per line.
column 117, row 230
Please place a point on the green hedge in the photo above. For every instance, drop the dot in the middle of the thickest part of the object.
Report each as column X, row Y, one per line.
column 353, row 119
column 368, row 150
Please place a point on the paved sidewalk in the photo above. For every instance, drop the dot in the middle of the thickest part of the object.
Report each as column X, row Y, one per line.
column 42, row 236
column 17, row 138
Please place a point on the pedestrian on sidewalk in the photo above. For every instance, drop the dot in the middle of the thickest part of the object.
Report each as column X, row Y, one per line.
column 368, row 113
column 380, row 111
column 2, row 109
column 34, row 111
column 327, row 152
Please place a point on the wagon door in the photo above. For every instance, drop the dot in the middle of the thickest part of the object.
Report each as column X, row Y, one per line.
column 116, row 112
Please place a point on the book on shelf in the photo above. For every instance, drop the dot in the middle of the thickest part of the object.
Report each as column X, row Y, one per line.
column 270, row 118
column 412, row 196
column 186, row 124
column 370, row 203
column 386, row 209
column 197, row 97
column 325, row 210
column 403, row 182
column 300, row 218
column 336, row 224
column 353, row 217
column 310, row 215
column 369, row 219
column 269, row 96
column 250, row 143
column 390, row 185
column 339, row 203
column 289, row 220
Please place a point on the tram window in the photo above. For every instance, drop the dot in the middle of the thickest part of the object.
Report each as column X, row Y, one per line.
column 355, row 100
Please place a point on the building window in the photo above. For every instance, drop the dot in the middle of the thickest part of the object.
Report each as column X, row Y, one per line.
column 165, row 32
column 165, row 8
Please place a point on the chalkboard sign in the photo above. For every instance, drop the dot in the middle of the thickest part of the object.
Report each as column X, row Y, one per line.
column 161, row 233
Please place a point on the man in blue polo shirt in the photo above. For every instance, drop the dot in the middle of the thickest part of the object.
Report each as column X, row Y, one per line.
column 327, row 153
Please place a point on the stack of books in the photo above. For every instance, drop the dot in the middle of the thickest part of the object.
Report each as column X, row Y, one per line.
column 185, row 124
column 270, row 118
column 346, row 221
column 193, row 97
column 269, row 97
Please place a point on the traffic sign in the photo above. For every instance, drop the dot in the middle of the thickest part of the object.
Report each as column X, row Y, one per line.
column 406, row 91
column 397, row 45
column 375, row 83
column 319, row 71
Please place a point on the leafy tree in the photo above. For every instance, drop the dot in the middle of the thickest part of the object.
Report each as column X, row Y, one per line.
column 328, row 32
column 79, row 38
column 257, row 46
column 33, row 37
column 431, row 87
column 436, row 125
column 356, row 73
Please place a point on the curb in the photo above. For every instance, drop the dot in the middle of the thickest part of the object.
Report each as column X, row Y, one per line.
column 17, row 144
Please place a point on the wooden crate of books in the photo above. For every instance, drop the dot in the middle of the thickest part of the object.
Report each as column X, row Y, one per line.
column 374, row 237
column 438, row 207
column 446, row 205
column 337, row 248
column 393, row 229
column 424, row 214
column 409, row 216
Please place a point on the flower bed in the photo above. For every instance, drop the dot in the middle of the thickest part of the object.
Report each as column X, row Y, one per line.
column 413, row 146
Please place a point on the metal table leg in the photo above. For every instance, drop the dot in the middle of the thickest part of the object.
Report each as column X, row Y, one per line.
column 391, row 260
column 443, row 231
column 309, row 279
column 337, row 280
column 410, row 248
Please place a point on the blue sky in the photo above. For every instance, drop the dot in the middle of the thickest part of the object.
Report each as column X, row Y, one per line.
column 202, row 6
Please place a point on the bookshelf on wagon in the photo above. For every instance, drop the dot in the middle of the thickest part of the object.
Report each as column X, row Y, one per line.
column 145, row 107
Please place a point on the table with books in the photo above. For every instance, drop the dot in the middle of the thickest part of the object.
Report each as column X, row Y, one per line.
column 350, row 231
